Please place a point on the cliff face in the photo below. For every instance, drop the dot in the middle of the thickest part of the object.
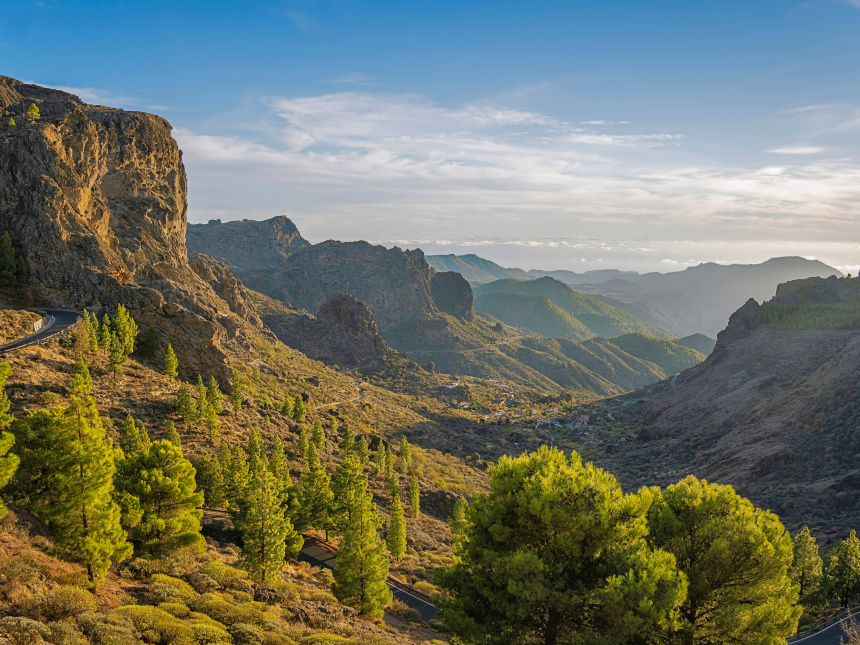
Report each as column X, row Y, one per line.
column 247, row 245
column 773, row 411
column 95, row 200
column 395, row 284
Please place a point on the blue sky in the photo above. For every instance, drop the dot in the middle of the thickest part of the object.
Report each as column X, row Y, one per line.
column 578, row 135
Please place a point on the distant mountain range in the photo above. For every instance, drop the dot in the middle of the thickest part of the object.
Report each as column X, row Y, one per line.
column 698, row 299
column 476, row 270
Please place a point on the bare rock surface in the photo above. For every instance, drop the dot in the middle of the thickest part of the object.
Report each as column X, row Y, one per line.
column 95, row 200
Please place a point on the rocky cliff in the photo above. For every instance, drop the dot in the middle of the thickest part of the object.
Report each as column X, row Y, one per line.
column 247, row 245
column 343, row 333
column 95, row 200
column 774, row 411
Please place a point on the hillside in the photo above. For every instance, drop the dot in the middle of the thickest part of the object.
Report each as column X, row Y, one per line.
column 537, row 314
column 476, row 270
column 698, row 299
column 599, row 318
column 772, row 411
column 246, row 245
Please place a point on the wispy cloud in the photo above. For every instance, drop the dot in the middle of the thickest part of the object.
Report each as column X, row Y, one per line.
column 354, row 78
column 97, row 96
column 797, row 150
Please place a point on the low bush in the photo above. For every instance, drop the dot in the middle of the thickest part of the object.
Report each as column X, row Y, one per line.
column 176, row 609
column 324, row 639
column 226, row 612
column 23, row 631
column 63, row 633
column 244, row 634
column 227, row 577
column 157, row 626
column 206, row 632
column 111, row 629
column 67, row 601
column 403, row 611
column 168, row 589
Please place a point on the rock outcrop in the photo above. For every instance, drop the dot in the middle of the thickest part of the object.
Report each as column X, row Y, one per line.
column 452, row 294
column 343, row 333
column 247, row 245
column 395, row 284
column 95, row 200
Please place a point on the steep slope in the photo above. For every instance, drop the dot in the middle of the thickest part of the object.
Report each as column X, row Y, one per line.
column 534, row 313
column 247, row 245
column 598, row 317
column 698, row 342
column 475, row 269
column 94, row 198
column 670, row 356
column 697, row 299
column 773, row 410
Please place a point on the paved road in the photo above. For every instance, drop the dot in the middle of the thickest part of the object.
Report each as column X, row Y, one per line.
column 833, row 635
column 62, row 320
column 317, row 555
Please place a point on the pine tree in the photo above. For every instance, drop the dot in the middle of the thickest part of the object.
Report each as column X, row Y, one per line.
column 236, row 476
column 299, row 409
column 164, row 483
column 396, row 537
column 213, row 424
column 125, row 328
column 304, row 442
column 332, row 427
column 363, row 451
column 129, row 437
column 104, row 334
column 265, row 528
column 277, row 463
column 236, row 393
column 404, row 456
column 362, row 565
column 318, row 436
column 393, row 486
column 210, row 480
column 843, row 569
column 347, row 441
column 806, row 566
column 117, row 355
column 414, row 497
column 287, row 406
column 79, row 506
column 214, row 396
column 344, row 482
column 172, row 435
column 92, row 326
column 33, row 113
column 145, row 441
column 202, row 403
column 183, row 404
column 389, row 463
column 83, row 371
column 8, row 461
column 379, row 459
column 255, row 451
column 12, row 125
column 459, row 525
column 315, row 496
column 171, row 364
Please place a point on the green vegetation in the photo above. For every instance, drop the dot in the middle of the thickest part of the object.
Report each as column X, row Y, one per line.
column 13, row 268
column 555, row 552
column 843, row 569
column 806, row 567
column 396, row 537
column 33, row 114
column 669, row 355
column 171, row 363
column 809, row 316
column 8, row 462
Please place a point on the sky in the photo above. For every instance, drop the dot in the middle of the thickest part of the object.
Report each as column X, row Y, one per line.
column 649, row 135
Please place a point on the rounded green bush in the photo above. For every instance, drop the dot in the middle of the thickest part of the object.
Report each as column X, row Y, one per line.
column 67, row 601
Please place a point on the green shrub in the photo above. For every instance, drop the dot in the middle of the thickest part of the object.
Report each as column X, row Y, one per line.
column 245, row 634
column 67, row 602
column 404, row 611
column 110, row 629
column 23, row 631
column 168, row 589
column 226, row 612
column 158, row 626
column 73, row 578
column 63, row 633
column 226, row 576
column 324, row 639
column 207, row 632
column 326, row 577
column 176, row 609
column 315, row 595
column 23, row 571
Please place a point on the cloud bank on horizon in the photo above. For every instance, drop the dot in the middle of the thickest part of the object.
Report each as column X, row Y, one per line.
column 389, row 167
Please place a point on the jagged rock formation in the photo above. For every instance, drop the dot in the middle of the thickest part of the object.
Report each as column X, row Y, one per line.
column 95, row 200
column 773, row 411
column 395, row 284
column 343, row 333
column 247, row 245
column 452, row 294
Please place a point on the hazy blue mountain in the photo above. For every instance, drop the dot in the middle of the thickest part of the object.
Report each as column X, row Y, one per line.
column 476, row 270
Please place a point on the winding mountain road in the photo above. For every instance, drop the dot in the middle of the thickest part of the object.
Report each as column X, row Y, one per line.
column 833, row 635
column 60, row 320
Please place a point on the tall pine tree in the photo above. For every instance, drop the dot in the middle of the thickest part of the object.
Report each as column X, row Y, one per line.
column 8, row 462
column 80, row 468
column 299, row 409
column 265, row 528
column 315, row 496
column 171, row 364
column 164, row 483
column 396, row 537
column 362, row 564
column 346, row 478
column 129, row 437
column 214, row 396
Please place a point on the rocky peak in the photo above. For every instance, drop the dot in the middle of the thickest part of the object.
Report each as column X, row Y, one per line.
column 349, row 312
column 95, row 200
column 247, row 245
column 739, row 326
column 452, row 294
